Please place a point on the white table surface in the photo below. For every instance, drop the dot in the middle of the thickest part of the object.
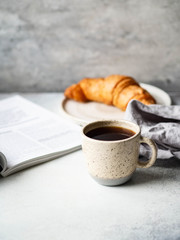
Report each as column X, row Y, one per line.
column 59, row 200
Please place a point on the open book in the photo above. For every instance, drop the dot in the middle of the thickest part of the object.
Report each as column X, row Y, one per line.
column 30, row 134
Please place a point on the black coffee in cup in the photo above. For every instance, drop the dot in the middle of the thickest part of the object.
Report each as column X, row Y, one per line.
column 110, row 133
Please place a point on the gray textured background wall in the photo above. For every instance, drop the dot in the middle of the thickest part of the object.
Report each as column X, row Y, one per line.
column 46, row 45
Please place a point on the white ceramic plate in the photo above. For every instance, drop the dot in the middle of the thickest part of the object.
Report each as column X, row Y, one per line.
column 83, row 113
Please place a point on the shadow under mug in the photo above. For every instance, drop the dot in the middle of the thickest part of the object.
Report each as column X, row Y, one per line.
column 113, row 163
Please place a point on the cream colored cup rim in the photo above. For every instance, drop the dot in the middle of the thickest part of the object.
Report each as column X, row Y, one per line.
column 112, row 121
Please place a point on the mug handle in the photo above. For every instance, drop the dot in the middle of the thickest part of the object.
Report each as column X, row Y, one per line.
column 152, row 160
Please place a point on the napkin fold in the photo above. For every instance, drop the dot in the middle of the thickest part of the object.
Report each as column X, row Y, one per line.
column 159, row 123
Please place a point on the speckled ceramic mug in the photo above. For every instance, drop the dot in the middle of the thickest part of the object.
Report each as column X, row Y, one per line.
column 113, row 163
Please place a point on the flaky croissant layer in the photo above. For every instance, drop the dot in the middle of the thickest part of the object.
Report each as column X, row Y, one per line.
column 115, row 90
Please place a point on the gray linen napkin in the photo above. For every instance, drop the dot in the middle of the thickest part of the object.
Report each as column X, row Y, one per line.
column 159, row 123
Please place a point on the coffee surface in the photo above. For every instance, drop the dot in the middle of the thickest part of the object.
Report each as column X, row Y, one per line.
column 110, row 133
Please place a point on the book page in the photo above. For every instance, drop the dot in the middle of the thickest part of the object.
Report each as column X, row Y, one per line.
column 28, row 131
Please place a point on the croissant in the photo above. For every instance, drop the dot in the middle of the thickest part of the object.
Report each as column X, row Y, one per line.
column 116, row 90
